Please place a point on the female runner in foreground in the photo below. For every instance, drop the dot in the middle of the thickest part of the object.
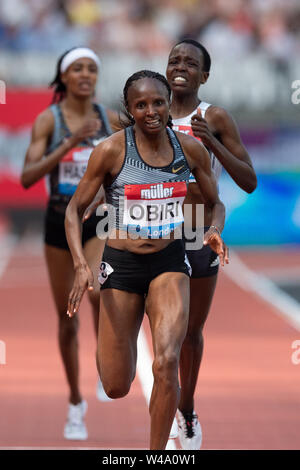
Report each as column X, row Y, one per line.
column 188, row 68
column 144, row 170
column 63, row 137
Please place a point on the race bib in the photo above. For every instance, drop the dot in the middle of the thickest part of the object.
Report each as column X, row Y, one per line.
column 104, row 271
column 154, row 210
column 72, row 168
column 185, row 130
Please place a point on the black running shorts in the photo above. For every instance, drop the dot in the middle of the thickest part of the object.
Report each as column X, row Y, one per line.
column 54, row 229
column 204, row 262
column 131, row 272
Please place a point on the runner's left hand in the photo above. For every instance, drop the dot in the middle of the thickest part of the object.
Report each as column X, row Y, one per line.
column 84, row 279
column 88, row 212
column 200, row 128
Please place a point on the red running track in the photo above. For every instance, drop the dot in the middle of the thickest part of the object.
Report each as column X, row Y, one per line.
column 247, row 394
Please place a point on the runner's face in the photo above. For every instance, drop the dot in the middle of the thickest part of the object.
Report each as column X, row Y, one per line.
column 185, row 69
column 80, row 77
column 149, row 104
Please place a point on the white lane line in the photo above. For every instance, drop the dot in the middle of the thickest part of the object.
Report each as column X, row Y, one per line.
column 144, row 369
column 7, row 244
column 144, row 365
column 282, row 275
column 248, row 280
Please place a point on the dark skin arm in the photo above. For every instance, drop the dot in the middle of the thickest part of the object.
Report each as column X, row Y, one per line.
column 115, row 124
column 199, row 162
column 104, row 163
column 100, row 165
column 220, row 134
column 114, row 119
column 35, row 166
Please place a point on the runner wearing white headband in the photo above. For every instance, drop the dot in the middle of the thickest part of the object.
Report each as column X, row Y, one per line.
column 66, row 133
column 78, row 53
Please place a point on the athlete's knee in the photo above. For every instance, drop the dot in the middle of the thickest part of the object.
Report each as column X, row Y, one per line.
column 116, row 382
column 165, row 367
column 194, row 337
column 116, row 389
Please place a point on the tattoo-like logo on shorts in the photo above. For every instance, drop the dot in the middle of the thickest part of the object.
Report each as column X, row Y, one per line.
column 215, row 262
column 104, row 271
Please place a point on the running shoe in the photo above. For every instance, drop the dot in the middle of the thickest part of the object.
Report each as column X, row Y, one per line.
column 190, row 432
column 75, row 428
column 101, row 395
column 174, row 429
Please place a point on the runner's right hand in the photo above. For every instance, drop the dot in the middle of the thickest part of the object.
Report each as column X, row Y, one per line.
column 88, row 129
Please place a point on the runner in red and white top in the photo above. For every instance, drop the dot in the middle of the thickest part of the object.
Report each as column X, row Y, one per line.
column 188, row 68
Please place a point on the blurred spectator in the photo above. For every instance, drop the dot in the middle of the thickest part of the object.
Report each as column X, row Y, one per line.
column 83, row 12
column 133, row 28
column 230, row 30
column 234, row 27
column 273, row 33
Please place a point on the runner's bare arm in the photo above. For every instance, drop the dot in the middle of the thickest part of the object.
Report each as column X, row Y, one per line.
column 226, row 145
column 114, row 120
column 35, row 166
column 206, row 181
column 200, row 165
column 99, row 199
column 99, row 166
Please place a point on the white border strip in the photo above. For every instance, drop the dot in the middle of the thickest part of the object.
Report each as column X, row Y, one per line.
column 7, row 243
column 66, row 448
column 250, row 281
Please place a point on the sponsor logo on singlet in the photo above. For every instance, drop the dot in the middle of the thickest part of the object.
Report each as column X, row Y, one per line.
column 72, row 168
column 185, row 130
column 154, row 210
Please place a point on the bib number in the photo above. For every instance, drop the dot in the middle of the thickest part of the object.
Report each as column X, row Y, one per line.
column 71, row 169
column 104, row 271
column 154, row 210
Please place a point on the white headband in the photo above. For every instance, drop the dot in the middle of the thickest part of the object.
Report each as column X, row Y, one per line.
column 76, row 54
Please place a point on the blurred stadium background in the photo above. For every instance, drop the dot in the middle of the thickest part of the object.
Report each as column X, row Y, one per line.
column 255, row 75
column 255, row 48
